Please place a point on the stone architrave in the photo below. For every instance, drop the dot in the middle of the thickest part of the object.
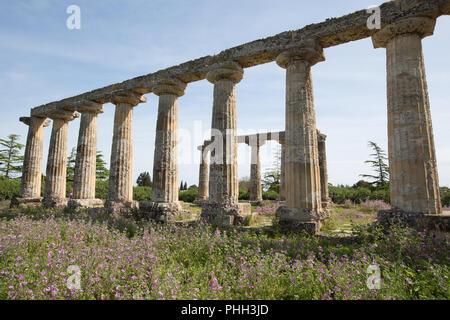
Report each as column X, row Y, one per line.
column 321, row 142
column 86, row 159
column 30, row 186
column 55, row 181
column 414, row 184
column 120, row 190
column 223, row 207
column 303, row 210
column 165, row 205
column 203, row 179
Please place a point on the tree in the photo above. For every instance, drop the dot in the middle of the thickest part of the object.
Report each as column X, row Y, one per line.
column 271, row 180
column 101, row 171
column 71, row 160
column 379, row 165
column 185, row 187
column 144, row 180
column 10, row 156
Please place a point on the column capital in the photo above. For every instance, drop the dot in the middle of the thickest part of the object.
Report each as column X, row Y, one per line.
column 321, row 137
column 62, row 114
column 128, row 97
column 88, row 106
column 422, row 26
column 310, row 51
column 27, row 121
column 225, row 70
column 170, row 86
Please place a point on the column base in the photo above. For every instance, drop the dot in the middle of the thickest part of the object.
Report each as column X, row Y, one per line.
column 121, row 207
column 160, row 211
column 298, row 220
column 226, row 215
column 326, row 203
column 200, row 200
column 85, row 203
column 25, row 202
column 415, row 220
column 55, row 203
column 257, row 202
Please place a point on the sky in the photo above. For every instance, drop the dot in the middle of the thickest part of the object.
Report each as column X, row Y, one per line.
column 42, row 61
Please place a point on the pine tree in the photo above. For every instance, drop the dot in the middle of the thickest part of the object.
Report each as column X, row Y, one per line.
column 71, row 160
column 102, row 172
column 144, row 180
column 11, row 159
column 379, row 165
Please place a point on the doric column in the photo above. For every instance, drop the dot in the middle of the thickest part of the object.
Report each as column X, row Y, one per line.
column 165, row 163
column 85, row 164
column 255, row 174
column 282, row 171
column 321, row 139
column 203, row 179
column 55, row 180
column 414, row 184
column 120, row 191
column 30, row 186
column 223, row 208
column 303, row 209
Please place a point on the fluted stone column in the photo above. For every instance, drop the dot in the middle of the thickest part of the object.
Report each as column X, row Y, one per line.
column 303, row 210
column 321, row 139
column 55, row 180
column 222, row 207
column 120, row 191
column 86, row 159
column 414, row 184
column 255, row 175
column 282, row 173
column 203, row 179
column 30, row 186
column 165, row 163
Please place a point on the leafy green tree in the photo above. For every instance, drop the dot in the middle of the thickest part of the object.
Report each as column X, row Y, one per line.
column 272, row 177
column 144, row 180
column 11, row 159
column 379, row 165
column 71, row 160
column 102, row 172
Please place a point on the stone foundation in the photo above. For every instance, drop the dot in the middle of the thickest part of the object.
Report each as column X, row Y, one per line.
column 298, row 220
column 55, row 203
column 415, row 220
column 26, row 202
column 225, row 215
column 161, row 212
column 85, row 203
column 121, row 208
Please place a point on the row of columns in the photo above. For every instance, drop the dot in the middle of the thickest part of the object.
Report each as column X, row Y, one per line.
column 414, row 179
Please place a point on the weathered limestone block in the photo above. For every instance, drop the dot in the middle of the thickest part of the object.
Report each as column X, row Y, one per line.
column 203, row 179
column 30, row 187
column 120, row 190
column 303, row 209
column 321, row 141
column 85, row 164
column 222, row 206
column 161, row 211
column 445, row 8
column 55, row 182
column 414, row 184
column 165, row 163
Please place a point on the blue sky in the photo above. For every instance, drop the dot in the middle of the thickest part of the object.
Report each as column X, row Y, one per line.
column 42, row 61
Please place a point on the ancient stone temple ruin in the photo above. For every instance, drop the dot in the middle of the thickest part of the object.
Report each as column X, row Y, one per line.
column 412, row 158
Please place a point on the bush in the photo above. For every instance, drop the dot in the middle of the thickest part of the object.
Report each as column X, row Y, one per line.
column 445, row 196
column 101, row 189
column 270, row 195
column 142, row 193
column 244, row 194
column 357, row 194
column 9, row 188
column 188, row 195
